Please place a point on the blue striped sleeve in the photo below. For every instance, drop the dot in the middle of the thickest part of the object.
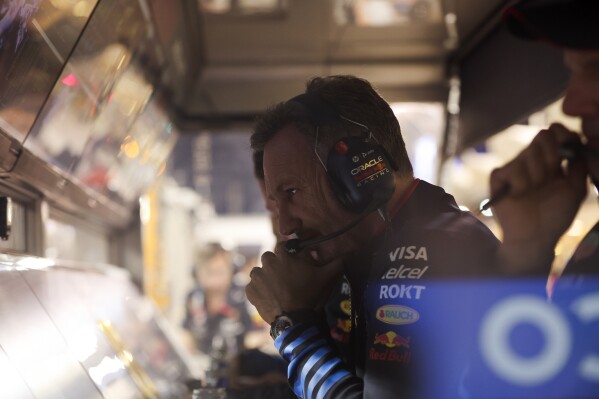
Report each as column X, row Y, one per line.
column 315, row 371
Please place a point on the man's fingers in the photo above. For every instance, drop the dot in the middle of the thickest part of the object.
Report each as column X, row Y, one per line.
column 251, row 293
column 562, row 134
column 536, row 165
column 514, row 175
column 577, row 176
column 255, row 270
column 268, row 259
column 548, row 145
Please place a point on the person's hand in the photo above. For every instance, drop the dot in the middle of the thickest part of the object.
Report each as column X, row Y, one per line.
column 290, row 282
column 542, row 201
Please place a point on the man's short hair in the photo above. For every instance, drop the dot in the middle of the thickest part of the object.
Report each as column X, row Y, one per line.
column 570, row 24
column 258, row 165
column 350, row 97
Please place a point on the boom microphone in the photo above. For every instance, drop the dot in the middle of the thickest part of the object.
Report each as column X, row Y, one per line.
column 295, row 245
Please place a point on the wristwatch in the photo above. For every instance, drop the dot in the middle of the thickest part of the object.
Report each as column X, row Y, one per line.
column 282, row 322
column 286, row 320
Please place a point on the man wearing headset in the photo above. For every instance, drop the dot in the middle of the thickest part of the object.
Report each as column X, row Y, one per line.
column 336, row 167
column 542, row 198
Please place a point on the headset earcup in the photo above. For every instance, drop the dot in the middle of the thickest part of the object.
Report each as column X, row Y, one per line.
column 360, row 173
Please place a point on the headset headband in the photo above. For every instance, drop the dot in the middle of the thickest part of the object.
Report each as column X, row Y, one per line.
column 319, row 111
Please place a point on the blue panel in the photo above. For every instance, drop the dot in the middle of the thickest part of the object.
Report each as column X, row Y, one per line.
column 506, row 339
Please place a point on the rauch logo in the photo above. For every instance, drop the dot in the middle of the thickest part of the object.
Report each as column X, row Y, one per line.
column 396, row 314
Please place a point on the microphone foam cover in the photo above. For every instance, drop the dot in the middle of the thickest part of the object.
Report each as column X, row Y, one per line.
column 292, row 246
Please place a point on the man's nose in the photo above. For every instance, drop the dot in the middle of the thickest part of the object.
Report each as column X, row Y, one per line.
column 288, row 222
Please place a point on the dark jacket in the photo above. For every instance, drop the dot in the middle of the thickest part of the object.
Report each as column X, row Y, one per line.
column 430, row 238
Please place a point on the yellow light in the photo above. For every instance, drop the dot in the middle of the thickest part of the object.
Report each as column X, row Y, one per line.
column 128, row 356
column 82, row 8
column 162, row 169
column 130, row 147
column 577, row 229
column 145, row 210
column 105, row 324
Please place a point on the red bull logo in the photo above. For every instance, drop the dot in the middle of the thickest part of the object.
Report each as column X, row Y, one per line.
column 396, row 314
column 390, row 339
column 344, row 325
column 346, row 307
column 390, row 355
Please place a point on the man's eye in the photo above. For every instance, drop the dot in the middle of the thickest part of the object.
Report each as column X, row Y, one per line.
column 291, row 191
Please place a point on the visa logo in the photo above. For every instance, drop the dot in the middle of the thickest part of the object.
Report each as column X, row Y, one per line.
column 411, row 252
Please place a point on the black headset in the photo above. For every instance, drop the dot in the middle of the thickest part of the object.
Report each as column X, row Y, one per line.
column 359, row 168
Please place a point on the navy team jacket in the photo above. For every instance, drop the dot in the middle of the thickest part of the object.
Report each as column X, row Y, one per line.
column 430, row 239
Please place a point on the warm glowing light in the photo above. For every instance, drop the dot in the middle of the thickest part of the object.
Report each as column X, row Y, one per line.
column 162, row 169
column 451, row 18
column 83, row 343
column 559, row 249
column 144, row 209
column 105, row 324
column 130, row 147
column 35, row 263
column 577, row 229
column 128, row 356
column 83, row 8
column 108, row 366
column 70, row 80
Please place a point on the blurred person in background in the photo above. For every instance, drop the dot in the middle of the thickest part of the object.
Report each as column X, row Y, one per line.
column 539, row 198
column 216, row 320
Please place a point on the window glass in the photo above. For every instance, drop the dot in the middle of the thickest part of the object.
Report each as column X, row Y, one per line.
column 386, row 12
column 66, row 240
column 35, row 38
column 422, row 126
column 243, row 7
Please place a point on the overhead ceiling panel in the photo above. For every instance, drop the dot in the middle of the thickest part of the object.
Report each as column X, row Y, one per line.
column 256, row 60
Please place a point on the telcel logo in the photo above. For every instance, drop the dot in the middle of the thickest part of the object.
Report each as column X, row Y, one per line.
column 396, row 314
